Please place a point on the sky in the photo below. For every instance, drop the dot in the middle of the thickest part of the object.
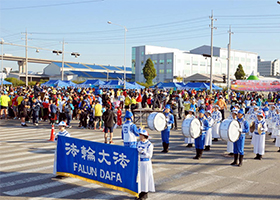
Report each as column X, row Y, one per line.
column 181, row 24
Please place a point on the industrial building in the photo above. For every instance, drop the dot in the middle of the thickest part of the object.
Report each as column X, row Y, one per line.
column 171, row 63
column 269, row 68
column 83, row 71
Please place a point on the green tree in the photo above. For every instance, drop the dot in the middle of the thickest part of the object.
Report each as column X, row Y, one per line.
column 15, row 81
column 239, row 74
column 149, row 71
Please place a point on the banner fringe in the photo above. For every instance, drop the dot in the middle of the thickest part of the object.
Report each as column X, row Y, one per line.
column 99, row 183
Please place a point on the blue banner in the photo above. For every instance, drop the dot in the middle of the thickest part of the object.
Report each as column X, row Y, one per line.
column 111, row 166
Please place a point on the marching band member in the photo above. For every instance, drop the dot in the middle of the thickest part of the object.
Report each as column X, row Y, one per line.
column 273, row 124
column 247, row 104
column 259, row 136
column 252, row 116
column 217, row 116
column 230, row 144
column 146, row 181
column 277, row 129
column 208, row 136
column 62, row 132
column 199, row 142
column 251, row 110
column 129, row 131
column 190, row 141
column 166, row 132
column 265, row 109
column 238, row 146
column 270, row 116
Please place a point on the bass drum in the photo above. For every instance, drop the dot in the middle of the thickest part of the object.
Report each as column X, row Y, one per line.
column 156, row 121
column 229, row 130
column 191, row 128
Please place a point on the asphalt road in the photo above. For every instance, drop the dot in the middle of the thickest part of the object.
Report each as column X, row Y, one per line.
column 26, row 163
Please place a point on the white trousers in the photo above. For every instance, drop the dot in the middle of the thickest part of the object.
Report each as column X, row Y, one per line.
column 230, row 147
column 208, row 137
column 189, row 140
column 259, row 144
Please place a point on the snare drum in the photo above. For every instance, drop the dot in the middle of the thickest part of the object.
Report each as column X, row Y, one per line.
column 191, row 128
column 156, row 121
column 229, row 130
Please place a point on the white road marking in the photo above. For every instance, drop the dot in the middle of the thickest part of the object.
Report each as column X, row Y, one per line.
column 9, row 174
column 40, row 187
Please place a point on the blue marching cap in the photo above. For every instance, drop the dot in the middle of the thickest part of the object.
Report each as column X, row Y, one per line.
column 62, row 123
column 128, row 114
column 191, row 109
column 167, row 106
column 241, row 111
column 144, row 132
column 202, row 111
column 260, row 114
column 266, row 103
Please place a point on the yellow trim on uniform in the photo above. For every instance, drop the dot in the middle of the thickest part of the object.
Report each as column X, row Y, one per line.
column 99, row 183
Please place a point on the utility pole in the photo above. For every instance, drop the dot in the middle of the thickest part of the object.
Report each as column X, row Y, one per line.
column 211, row 60
column 26, row 57
column 62, row 64
column 229, row 46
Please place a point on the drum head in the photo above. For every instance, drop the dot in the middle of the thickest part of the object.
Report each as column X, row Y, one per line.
column 150, row 120
column 233, row 133
column 159, row 122
column 195, row 128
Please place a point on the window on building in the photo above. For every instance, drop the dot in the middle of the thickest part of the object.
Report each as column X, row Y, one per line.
column 195, row 62
column 155, row 62
column 161, row 71
column 142, row 62
column 161, row 62
column 169, row 71
column 242, row 59
column 202, row 63
column 142, row 53
column 169, row 61
column 187, row 62
column 248, row 60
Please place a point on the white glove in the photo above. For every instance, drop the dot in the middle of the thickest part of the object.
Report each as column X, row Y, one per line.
column 166, row 119
column 143, row 151
column 240, row 130
column 201, row 128
column 262, row 129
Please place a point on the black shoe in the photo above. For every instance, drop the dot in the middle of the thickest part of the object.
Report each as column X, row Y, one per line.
column 197, row 154
column 24, row 125
column 274, row 140
column 278, row 150
column 231, row 154
column 235, row 159
column 207, row 148
column 59, row 177
column 189, row 145
column 215, row 140
column 257, row 157
column 240, row 160
column 269, row 133
column 260, row 157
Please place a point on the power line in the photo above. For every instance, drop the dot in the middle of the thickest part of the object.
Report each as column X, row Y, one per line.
column 247, row 16
column 174, row 23
column 50, row 5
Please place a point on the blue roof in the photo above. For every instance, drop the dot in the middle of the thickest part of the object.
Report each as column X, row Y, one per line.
column 59, row 64
column 77, row 66
column 81, row 74
column 94, row 67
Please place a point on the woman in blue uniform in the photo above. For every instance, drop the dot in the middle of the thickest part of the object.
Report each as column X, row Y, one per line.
column 238, row 146
column 166, row 132
column 199, row 142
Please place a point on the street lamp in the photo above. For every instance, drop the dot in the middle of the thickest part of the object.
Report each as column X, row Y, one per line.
column 125, row 30
column 2, row 42
column 58, row 52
